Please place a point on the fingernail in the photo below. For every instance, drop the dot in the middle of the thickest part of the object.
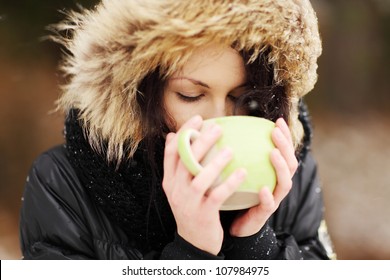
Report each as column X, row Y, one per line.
column 226, row 153
column 241, row 174
column 196, row 120
column 215, row 129
column 280, row 120
column 169, row 137
column 278, row 133
column 275, row 153
column 267, row 187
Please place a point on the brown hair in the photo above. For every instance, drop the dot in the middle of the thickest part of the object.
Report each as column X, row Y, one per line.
column 264, row 97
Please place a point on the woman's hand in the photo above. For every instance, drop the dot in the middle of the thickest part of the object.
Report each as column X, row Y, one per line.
column 285, row 163
column 196, row 210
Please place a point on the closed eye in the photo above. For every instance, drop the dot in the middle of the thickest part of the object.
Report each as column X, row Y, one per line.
column 187, row 98
column 233, row 98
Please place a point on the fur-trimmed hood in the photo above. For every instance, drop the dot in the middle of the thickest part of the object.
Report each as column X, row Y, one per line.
column 114, row 46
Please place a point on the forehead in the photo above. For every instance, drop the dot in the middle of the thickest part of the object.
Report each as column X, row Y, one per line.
column 214, row 63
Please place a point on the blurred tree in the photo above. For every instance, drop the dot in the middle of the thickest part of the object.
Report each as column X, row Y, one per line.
column 28, row 86
column 353, row 69
column 23, row 25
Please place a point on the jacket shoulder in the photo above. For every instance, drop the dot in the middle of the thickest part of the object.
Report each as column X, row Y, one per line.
column 52, row 175
column 58, row 220
column 51, row 212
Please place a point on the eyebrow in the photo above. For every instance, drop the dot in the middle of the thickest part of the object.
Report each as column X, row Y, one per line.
column 195, row 82
column 200, row 83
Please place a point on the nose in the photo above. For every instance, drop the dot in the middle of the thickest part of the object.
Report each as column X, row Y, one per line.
column 220, row 108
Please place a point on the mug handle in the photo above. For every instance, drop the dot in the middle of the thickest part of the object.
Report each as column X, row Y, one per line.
column 185, row 151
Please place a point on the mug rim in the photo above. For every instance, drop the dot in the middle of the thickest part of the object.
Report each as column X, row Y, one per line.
column 239, row 116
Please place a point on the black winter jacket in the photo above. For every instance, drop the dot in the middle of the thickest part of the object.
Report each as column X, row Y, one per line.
column 59, row 220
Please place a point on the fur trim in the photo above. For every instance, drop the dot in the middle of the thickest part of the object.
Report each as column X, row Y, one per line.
column 114, row 46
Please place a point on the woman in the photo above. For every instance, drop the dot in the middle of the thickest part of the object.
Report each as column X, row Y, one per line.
column 138, row 73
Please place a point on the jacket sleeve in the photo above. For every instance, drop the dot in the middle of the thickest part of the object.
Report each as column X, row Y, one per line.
column 54, row 219
column 297, row 230
column 181, row 249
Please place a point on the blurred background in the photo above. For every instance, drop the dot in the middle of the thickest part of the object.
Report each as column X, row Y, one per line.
column 349, row 106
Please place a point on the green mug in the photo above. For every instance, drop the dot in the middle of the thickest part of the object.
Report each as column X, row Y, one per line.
column 250, row 140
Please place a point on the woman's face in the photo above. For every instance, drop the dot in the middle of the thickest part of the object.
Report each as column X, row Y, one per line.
column 207, row 85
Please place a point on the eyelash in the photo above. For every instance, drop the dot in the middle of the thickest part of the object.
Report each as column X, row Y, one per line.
column 233, row 98
column 189, row 99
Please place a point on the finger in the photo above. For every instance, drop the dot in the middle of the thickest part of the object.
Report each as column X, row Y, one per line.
column 281, row 123
column 286, row 148
column 204, row 180
column 205, row 141
column 219, row 194
column 267, row 201
column 252, row 220
column 170, row 156
column 194, row 122
column 284, row 182
column 199, row 148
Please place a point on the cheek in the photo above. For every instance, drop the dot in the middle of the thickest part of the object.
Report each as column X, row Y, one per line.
column 179, row 115
column 176, row 114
